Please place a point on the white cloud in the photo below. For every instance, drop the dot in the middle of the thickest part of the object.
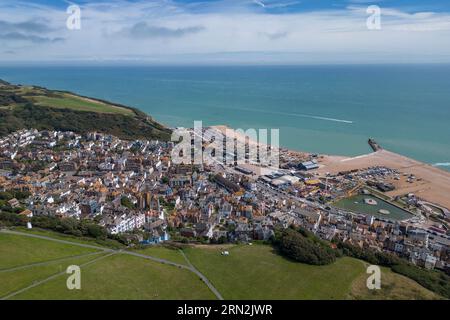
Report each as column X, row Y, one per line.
column 161, row 31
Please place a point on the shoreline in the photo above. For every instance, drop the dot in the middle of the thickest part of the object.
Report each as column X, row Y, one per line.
column 431, row 183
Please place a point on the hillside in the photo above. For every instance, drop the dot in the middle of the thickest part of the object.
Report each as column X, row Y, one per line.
column 249, row 272
column 258, row 272
column 43, row 109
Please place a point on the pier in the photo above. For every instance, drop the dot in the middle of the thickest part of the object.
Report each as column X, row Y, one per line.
column 374, row 145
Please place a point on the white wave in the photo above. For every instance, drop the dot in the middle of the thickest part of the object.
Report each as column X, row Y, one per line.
column 441, row 164
column 301, row 115
column 312, row 117
column 325, row 118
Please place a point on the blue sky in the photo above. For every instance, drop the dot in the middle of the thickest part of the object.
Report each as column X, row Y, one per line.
column 225, row 31
column 290, row 6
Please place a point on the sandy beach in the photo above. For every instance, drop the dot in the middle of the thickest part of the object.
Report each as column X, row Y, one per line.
column 431, row 184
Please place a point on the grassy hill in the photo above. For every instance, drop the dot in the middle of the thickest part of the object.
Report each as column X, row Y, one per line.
column 43, row 109
column 257, row 272
column 125, row 277
column 35, row 271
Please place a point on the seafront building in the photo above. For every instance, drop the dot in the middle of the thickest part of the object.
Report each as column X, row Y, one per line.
column 132, row 187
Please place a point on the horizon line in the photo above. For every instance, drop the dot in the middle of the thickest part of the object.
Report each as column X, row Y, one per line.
column 121, row 63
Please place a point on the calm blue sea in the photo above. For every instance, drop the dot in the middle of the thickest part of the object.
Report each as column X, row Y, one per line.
column 324, row 109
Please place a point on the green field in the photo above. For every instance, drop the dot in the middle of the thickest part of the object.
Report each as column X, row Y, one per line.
column 163, row 253
column 108, row 243
column 68, row 101
column 25, row 107
column 393, row 287
column 257, row 272
column 12, row 281
column 249, row 272
column 125, row 277
column 118, row 276
column 17, row 250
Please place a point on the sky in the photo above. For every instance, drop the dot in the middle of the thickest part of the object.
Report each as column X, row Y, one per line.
column 225, row 31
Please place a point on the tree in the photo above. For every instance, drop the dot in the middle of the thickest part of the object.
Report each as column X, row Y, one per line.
column 295, row 245
column 165, row 180
column 97, row 231
column 124, row 201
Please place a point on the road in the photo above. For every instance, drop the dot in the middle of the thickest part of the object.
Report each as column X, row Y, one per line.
column 283, row 194
column 189, row 267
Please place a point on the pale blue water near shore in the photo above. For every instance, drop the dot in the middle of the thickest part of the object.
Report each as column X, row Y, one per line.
column 324, row 109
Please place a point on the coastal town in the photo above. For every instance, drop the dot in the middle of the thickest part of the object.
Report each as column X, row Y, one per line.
column 133, row 188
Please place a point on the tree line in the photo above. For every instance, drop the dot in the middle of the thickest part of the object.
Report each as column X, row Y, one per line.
column 69, row 226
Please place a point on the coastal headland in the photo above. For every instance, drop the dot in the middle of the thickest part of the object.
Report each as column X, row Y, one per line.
column 25, row 107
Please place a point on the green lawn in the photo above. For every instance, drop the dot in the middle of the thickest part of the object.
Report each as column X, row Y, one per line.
column 68, row 101
column 393, row 286
column 125, row 277
column 113, row 244
column 11, row 281
column 249, row 272
column 256, row 272
column 162, row 252
column 116, row 277
column 20, row 250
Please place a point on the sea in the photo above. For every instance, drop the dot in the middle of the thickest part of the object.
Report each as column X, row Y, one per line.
column 328, row 109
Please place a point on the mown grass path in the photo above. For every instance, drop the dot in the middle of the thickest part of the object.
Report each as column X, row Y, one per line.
column 45, row 263
column 110, row 252
column 38, row 283
column 205, row 280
